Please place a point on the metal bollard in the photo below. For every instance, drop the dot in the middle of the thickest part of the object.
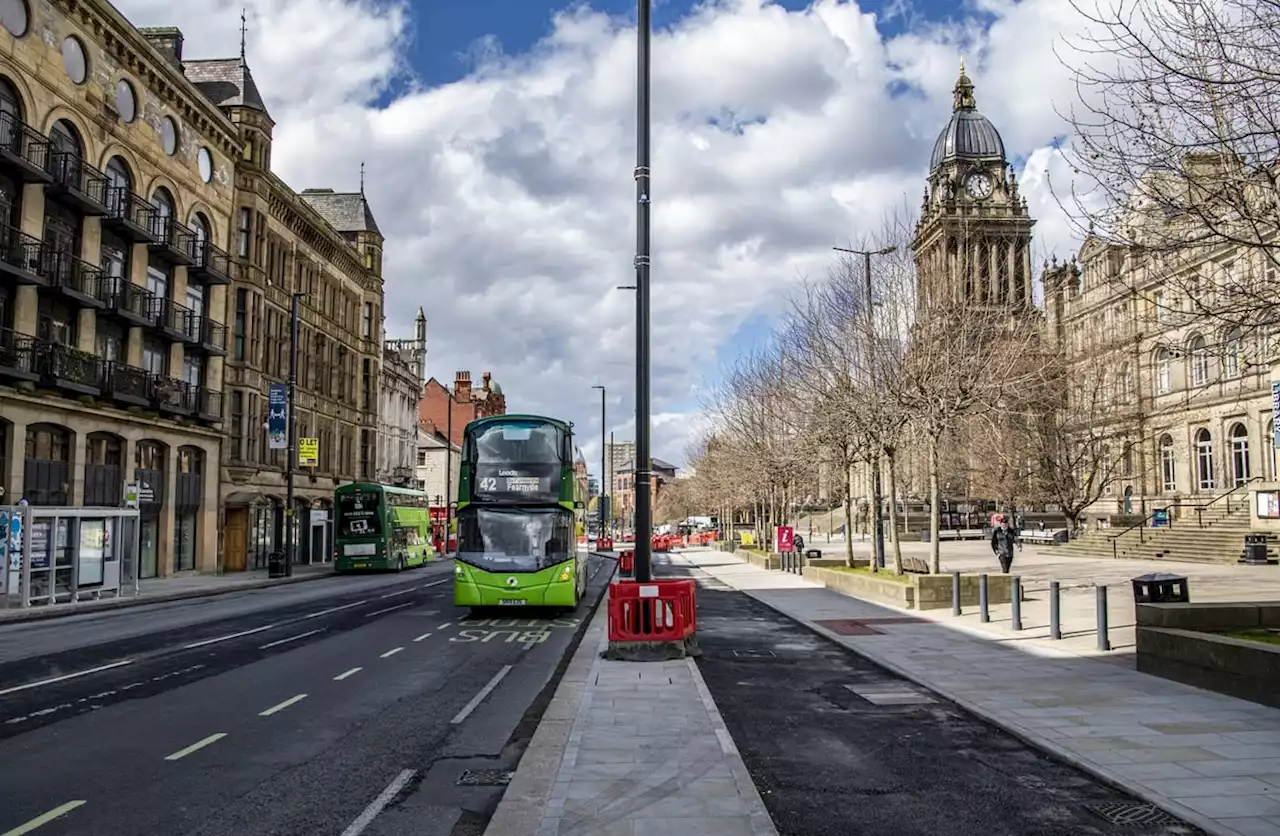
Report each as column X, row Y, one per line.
column 1015, row 600
column 1055, row 629
column 1104, row 639
column 983, row 607
column 955, row 593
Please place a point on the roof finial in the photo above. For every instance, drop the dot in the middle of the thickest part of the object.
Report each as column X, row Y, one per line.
column 244, row 28
column 362, row 177
column 962, row 65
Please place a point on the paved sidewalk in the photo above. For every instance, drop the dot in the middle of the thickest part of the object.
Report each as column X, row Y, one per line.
column 630, row 749
column 1212, row 760
column 157, row 590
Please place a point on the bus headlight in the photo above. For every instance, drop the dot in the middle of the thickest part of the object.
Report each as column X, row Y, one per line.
column 564, row 575
column 457, row 570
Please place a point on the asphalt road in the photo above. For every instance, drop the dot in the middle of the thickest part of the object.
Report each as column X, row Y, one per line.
column 840, row 747
column 346, row 706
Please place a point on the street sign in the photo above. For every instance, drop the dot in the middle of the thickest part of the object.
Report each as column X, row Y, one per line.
column 786, row 538
column 308, row 452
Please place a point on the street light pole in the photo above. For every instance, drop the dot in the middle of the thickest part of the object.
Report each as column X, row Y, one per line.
column 291, row 455
column 877, row 498
column 600, row 500
column 448, row 472
column 644, row 460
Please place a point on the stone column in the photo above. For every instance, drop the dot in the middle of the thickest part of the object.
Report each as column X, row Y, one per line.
column 16, row 457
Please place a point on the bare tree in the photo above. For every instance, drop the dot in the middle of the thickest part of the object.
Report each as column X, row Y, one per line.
column 1176, row 148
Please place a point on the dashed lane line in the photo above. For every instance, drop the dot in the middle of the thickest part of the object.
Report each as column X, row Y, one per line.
column 478, row 698
column 63, row 678
column 378, row 804
column 442, row 626
column 229, row 637
column 423, row 637
column 43, row 819
column 282, row 706
column 279, row 642
column 435, row 583
column 397, row 594
column 196, row 747
column 389, row 609
column 392, row 652
column 346, row 674
column 335, row 609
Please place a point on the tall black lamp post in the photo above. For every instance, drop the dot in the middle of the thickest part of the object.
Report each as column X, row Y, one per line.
column 644, row 459
column 600, row 500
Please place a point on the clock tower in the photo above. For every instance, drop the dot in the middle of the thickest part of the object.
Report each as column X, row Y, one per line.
column 972, row 243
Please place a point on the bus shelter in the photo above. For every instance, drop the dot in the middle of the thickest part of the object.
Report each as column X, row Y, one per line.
column 56, row 556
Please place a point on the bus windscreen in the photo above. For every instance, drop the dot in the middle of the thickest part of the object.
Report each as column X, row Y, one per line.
column 515, row 539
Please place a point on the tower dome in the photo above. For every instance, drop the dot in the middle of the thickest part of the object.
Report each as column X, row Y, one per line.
column 969, row 135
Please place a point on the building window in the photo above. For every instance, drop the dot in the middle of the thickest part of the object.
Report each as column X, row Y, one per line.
column 243, row 231
column 47, row 469
column 155, row 357
column 1231, row 354
column 113, row 256
column 57, row 322
column 109, row 341
column 242, row 312
column 193, row 370
column 366, row 384
column 103, row 475
column 1168, row 465
column 1204, row 460
column 1240, row 470
column 195, row 299
column 1164, row 372
column 367, row 329
column 237, row 426
column 1199, row 362
column 158, row 279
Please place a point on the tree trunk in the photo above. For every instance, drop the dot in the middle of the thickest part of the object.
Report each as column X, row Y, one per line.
column 891, row 474
column 848, row 515
column 935, row 501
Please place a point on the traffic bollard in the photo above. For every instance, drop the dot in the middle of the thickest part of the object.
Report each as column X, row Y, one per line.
column 1015, row 599
column 955, row 593
column 983, row 608
column 1104, row 640
column 1055, row 629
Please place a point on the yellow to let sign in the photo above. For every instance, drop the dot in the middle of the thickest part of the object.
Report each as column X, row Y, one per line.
column 308, row 452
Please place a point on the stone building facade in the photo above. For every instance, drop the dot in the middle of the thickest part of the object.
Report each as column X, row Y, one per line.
column 116, row 188
column 403, row 366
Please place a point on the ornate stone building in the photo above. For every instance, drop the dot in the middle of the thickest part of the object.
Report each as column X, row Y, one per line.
column 464, row 403
column 325, row 248
column 403, row 369
column 116, row 193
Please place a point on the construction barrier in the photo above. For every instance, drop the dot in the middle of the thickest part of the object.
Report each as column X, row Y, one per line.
column 627, row 562
column 659, row 611
column 604, row 544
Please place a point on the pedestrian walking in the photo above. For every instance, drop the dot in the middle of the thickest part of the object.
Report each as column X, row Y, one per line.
column 1003, row 539
column 798, row 544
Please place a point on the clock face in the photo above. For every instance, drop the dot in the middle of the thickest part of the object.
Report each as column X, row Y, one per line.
column 978, row 186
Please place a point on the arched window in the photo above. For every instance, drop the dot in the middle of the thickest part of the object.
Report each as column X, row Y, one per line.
column 47, row 471
column 1240, row 470
column 10, row 112
column 163, row 201
column 1124, row 383
column 1204, row 460
column 1199, row 350
column 103, row 465
column 202, row 228
column 1232, row 350
column 1164, row 371
column 118, row 176
column 66, row 139
column 1168, row 465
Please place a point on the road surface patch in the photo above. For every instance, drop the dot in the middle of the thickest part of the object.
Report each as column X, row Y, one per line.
column 195, row 747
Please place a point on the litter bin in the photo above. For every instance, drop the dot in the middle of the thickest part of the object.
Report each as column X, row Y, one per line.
column 1161, row 588
column 275, row 565
column 1255, row 550
column 813, row 554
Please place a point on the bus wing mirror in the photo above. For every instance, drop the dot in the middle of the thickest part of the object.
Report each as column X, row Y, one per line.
column 579, row 504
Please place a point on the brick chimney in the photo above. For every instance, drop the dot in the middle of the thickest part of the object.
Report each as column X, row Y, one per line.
column 486, row 377
column 462, row 387
column 167, row 40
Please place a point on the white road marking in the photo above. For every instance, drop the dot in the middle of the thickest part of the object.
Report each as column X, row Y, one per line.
column 228, row 637
column 279, row 642
column 442, row 626
column 423, row 637
column 401, row 592
column 478, row 698
column 384, row 798
column 336, row 609
column 195, row 747
column 389, row 609
column 345, row 674
column 41, row 820
column 392, row 652
column 282, row 706
column 436, row 583
column 64, row 678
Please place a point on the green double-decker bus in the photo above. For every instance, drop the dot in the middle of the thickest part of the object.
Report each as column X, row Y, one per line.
column 520, row 513
column 380, row 527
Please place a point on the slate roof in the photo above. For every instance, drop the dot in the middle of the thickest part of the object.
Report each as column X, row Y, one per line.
column 345, row 211
column 969, row 135
column 226, row 82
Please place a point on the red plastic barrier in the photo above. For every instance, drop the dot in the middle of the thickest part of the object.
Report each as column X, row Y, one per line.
column 659, row 611
column 604, row 544
column 627, row 562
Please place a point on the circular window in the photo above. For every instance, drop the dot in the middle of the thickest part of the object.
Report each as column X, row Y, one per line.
column 169, row 135
column 14, row 17
column 126, row 101
column 73, row 59
column 205, row 160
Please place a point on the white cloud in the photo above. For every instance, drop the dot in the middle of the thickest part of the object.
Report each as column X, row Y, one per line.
column 507, row 197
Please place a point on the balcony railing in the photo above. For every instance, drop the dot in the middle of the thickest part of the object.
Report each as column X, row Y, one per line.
column 213, row 336
column 17, row 355
column 129, row 384
column 179, row 321
column 129, row 215
column 174, row 241
column 175, row 396
column 24, row 150
column 77, row 183
column 213, row 265
column 210, row 405
column 22, row 256
column 79, row 280
column 69, row 368
column 129, row 301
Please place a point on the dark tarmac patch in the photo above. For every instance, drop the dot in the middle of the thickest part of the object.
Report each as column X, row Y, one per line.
column 840, row 747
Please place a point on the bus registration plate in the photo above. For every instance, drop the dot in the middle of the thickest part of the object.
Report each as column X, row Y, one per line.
column 511, row 602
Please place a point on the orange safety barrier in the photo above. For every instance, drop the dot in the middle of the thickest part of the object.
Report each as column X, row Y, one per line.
column 659, row 611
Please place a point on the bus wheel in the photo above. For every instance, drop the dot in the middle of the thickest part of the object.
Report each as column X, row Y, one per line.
column 400, row 563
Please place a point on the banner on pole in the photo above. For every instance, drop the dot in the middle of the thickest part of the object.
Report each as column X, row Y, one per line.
column 278, row 417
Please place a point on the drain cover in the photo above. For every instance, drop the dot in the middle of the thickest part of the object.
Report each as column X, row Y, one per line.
column 485, row 778
column 754, row 654
column 1132, row 814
